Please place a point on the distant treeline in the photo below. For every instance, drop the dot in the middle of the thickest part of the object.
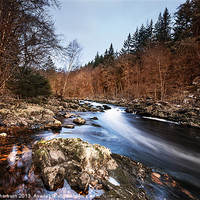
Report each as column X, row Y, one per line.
column 158, row 60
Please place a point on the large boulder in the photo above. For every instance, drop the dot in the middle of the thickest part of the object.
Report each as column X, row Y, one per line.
column 72, row 159
column 84, row 165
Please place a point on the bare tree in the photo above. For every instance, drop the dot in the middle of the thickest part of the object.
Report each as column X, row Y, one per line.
column 27, row 35
column 156, row 64
column 71, row 55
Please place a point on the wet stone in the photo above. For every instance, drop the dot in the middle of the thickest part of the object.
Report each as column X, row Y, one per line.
column 83, row 165
column 79, row 120
column 68, row 126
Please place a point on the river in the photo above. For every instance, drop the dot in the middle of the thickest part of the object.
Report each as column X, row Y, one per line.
column 164, row 146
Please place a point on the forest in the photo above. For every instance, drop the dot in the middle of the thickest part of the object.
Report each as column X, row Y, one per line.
column 159, row 60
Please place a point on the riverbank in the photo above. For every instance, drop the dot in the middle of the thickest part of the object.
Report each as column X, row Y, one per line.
column 18, row 116
column 184, row 110
column 187, row 113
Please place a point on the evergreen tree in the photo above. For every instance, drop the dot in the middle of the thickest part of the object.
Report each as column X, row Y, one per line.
column 142, row 37
column 183, row 21
column 195, row 10
column 27, row 84
column 158, row 28
column 166, row 26
column 187, row 20
column 149, row 30
column 126, row 49
column 106, row 55
column 96, row 60
column 49, row 65
column 163, row 27
column 135, row 42
column 101, row 59
column 111, row 52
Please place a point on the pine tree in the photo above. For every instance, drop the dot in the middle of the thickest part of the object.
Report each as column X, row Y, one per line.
column 195, row 10
column 135, row 42
column 126, row 49
column 158, row 28
column 149, row 30
column 187, row 20
column 166, row 26
column 106, row 55
column 49, row 65
column 182, row 21
column 111, row 52
column 28, row 83
column 163, row 27
column 96, row 60
column 142, row 37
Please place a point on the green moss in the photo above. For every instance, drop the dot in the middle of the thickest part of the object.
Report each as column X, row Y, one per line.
column 41, row 152
column 79, row 150
column 121, row 176
column 42, row 142
column 96, row 147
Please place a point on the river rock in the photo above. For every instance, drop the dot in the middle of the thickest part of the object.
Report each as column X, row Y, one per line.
column 53, row 177
column 83, row 164
column 79, row 120
column 56, row 124
column 72, row 159
column 70, row 115
column 68, row 126
column 129, row 110
column 94, row 118
column 106, row 107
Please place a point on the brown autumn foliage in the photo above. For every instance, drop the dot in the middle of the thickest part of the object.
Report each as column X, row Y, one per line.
column 160, row 73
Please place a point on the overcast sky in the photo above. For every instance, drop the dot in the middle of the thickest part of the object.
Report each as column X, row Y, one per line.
column 97, row 23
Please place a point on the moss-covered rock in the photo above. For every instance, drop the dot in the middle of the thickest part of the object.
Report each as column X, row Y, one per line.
column 83, row 164
column 79, row 159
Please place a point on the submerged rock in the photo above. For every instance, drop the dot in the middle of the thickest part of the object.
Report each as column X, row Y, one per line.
column 79, row 120
column 83, row 165
column 68, row 126
column 106, row 107
column 56, row 124
column 70, row 115
column 94, row 118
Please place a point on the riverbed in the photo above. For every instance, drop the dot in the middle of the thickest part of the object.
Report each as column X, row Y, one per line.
column 164, row 146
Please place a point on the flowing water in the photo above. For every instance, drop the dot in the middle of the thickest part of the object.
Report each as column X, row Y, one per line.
column 164, row 146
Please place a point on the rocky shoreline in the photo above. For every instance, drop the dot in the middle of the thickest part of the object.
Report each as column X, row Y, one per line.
column 83, row 165
column 18, row 117
column 91, row 166
column 185, row 110
column 185, row 113
column 86, row 166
